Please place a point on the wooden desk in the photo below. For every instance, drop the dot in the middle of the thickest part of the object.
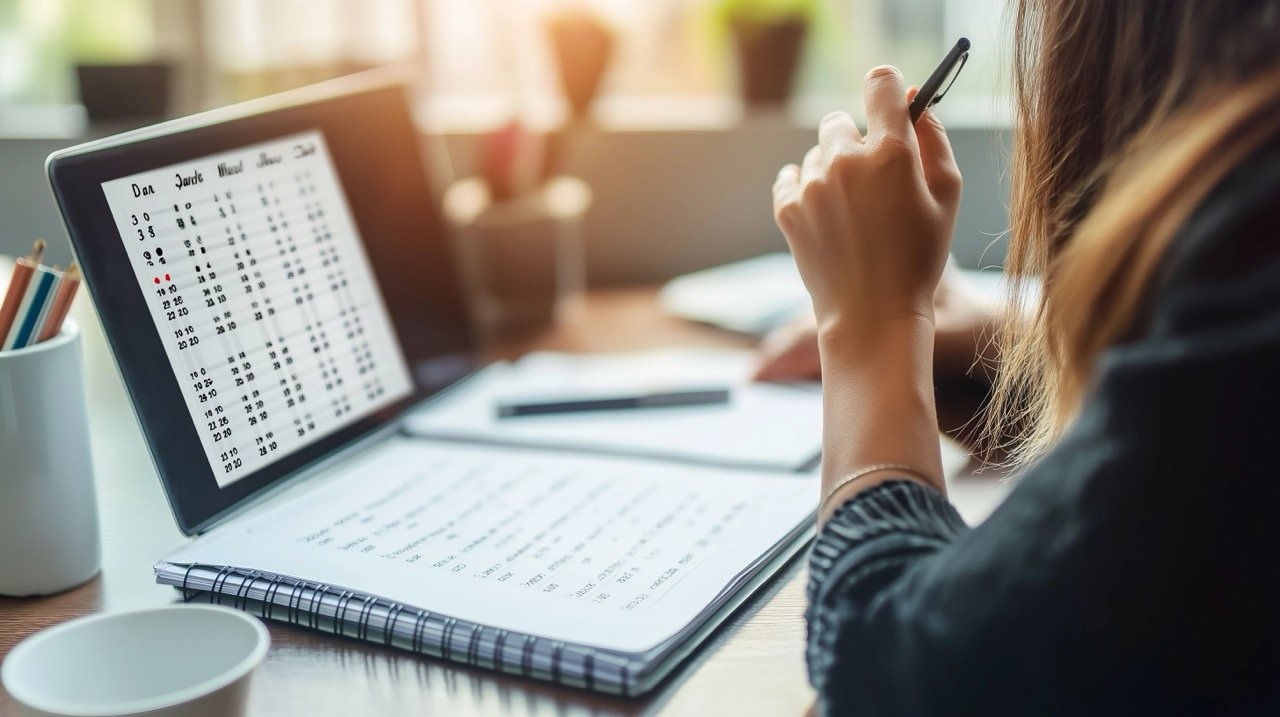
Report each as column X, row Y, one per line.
column 754, row 665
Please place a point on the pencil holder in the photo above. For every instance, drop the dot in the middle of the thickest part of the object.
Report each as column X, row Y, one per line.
column 48, row 511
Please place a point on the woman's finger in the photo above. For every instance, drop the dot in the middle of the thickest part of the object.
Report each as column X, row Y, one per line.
column 936, row 158
column 887, row 115
column 811, row 168
column 794, row 363
column 837, row 134
column 786, row 188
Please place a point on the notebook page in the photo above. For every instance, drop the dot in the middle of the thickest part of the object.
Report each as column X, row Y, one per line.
column 611, row 553
column 763, row 426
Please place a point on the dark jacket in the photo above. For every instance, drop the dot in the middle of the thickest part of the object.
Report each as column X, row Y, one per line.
column 1135, row 569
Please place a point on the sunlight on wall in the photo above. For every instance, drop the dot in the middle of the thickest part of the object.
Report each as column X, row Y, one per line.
column 487, row 61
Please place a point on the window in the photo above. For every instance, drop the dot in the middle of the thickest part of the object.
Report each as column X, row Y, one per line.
column 488, row 60
column 485, row 61
column 255, row 47
column 40, row 41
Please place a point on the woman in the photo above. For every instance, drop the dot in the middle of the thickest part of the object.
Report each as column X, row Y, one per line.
column 1132, row 569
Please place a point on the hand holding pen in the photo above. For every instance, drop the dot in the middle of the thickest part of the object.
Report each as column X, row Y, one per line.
column 869, row 217
column 869, row 220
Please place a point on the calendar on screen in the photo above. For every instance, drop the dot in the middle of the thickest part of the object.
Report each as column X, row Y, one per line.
column 261, row 291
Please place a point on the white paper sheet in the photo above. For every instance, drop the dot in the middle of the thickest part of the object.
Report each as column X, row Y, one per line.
column 619, row 554
column 758, row 294
column 763, row 426
column 751, row 296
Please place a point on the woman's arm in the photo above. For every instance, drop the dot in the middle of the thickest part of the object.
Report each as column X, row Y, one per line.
column 878, row 407
column 1130, row 571
column 868, row 220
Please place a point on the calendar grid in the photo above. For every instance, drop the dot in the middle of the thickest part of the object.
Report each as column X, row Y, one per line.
column 259, row 286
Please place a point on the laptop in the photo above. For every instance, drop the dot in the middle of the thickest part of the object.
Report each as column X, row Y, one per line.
column 274, row 279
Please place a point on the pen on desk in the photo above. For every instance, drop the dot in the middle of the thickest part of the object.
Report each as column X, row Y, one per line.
column 61, row 303
column 23, row 270
column 33, row 307
column 671, row 399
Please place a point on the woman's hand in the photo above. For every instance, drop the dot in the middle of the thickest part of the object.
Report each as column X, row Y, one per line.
column 790, row 352
column 869, row 219
column 966, row 323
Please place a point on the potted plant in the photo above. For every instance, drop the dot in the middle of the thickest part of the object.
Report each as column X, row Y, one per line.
column 582, row 44
column 519, row 235
column 768, row 36
column 117, row 72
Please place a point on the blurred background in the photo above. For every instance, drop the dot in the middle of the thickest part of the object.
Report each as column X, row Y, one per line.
column 686, row 110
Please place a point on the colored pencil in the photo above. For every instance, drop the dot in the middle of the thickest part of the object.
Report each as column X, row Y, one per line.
column 18, row 284
column 32, row 308
column 38, row 326
column 61, row 303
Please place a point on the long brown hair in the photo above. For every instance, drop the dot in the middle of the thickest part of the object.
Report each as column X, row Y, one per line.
column 1129, row 112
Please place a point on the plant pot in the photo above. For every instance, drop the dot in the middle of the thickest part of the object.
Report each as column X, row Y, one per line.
column 768, row 55
column 125, row 91
column 522, row 259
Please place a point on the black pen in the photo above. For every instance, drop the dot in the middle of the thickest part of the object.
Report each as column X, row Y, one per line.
column 932, row 91
column 670, row 399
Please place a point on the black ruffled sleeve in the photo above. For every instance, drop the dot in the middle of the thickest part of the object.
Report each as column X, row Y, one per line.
column 867, row 543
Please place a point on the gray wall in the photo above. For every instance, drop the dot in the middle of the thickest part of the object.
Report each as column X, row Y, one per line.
column 666, row 201
column 27, row 210
column 672, row 201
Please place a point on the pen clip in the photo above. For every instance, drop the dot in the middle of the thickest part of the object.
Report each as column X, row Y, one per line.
column 955, row 74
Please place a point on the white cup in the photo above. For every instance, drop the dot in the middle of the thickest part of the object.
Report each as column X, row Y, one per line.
column 48, row 512
column 189, row 660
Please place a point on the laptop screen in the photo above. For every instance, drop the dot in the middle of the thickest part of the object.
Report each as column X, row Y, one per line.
column 275, row 281
column 256, row 279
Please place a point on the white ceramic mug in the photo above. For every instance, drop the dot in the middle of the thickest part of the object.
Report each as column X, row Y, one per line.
column 174, row 661
column 48, row 511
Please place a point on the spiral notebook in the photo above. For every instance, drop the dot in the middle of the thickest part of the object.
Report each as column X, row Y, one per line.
column 591, row 571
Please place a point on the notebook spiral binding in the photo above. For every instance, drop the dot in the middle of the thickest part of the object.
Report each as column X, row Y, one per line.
column 371, row 619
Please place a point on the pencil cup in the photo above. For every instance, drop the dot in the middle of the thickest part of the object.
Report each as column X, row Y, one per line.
column 48, row 511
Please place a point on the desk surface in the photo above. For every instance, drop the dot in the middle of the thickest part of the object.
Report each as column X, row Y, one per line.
column 753, row 665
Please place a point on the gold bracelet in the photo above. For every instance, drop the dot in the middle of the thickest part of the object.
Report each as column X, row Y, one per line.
column 863, row 473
